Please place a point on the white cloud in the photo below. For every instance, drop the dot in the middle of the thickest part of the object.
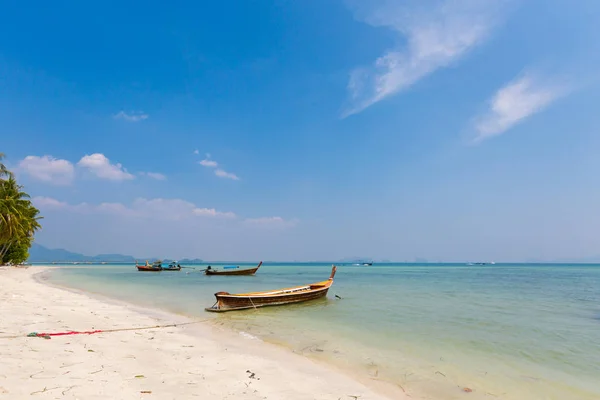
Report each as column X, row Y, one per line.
column 437, row 34
column 48, row 169
column 100, row 165
column 515, row 102
column 172, row 209
column 208, row 163
column 221, row 173
column 196, row 151
column 135, row 116
column 211, row 212
column 155, row 209
column 48, row 202
column 160, row 209
column 227, row 175
column 154, row 175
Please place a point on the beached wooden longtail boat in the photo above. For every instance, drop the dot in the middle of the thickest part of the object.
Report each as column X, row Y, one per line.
column 233, row 270
column 244, row 301
column 154, row 267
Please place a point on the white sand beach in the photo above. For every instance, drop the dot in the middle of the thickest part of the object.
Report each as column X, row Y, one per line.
column 189, row 361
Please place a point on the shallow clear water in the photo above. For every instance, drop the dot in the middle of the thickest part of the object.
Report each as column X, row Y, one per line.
column 503, row 331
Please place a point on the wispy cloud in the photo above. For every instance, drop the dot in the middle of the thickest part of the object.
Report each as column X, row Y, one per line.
column 227, row 175
column 196, row 151
column 134, row 116
column 48, row 169
column 155, row 209
column 208, row 163
column 220, row 172
column 514, row 103
column 437, row 33
column 154, row 175
column 49, row 202
column 211, row 212
column 160, row 209
column 99, row 165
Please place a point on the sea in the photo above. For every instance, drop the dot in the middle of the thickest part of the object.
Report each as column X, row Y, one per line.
column 435, row 331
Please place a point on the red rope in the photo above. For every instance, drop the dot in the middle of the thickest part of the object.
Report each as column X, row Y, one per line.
column 67, row 333
column 48, row 335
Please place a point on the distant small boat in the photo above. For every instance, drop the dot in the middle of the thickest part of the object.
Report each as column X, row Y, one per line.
column 368, row 264
column 298, row 294
column 154, row 267
column 232, row 270
column 172, row 267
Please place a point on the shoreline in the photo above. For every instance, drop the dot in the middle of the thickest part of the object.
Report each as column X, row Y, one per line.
column 236, row 365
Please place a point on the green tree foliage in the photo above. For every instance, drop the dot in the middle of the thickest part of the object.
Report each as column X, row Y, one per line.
column 19, row 219
column 4, row 172
column 18, row 253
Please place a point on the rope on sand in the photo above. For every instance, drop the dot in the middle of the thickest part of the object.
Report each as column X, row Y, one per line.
column 49, row 335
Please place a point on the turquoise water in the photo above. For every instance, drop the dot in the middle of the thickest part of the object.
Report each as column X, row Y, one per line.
column 503, row 331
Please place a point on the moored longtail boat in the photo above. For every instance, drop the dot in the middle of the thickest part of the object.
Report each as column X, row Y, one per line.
column 172, row 267
column 230, row 302
column 154, row 267
column 232, row 271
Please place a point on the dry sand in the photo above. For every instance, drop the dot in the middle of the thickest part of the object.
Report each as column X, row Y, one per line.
column 190, row 361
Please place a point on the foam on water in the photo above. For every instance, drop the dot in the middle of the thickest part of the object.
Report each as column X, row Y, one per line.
column 510, row 332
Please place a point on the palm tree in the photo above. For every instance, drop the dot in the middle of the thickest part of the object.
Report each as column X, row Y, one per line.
column 3, row 170
column 19, row 219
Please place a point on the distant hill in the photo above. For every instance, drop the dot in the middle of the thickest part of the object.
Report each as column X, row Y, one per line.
column 112, row 258
column 39, row 253
column 191, row 261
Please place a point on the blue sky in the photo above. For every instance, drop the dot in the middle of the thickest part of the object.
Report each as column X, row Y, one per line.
column 444, row 129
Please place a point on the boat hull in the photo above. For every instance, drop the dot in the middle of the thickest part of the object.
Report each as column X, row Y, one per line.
column 226, row 303
column 148, row 269
column 172, row 269
column 249, row 271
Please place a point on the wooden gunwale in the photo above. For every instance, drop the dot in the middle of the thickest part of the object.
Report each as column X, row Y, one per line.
column 282, row 292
